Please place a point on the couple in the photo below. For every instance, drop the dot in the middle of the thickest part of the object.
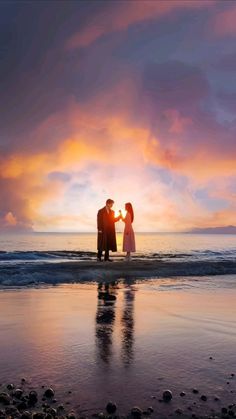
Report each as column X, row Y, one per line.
column 106, row 231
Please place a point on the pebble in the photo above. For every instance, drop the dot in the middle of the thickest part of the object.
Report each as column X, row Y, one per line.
column 26, row 415
column 224, row 410
column 5, row 398
column 111, row 408
column 33, row 397
column 167, row 395
column 136, row 412
column 18, row 393
column 146, row 413
column 22, row 405
column 11, row 411
column 52, row 411
column 179, row 411
column 49, row 393
column 17, row 401
column 38, row 415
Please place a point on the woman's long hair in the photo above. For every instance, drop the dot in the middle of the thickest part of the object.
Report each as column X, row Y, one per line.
column 129, row 209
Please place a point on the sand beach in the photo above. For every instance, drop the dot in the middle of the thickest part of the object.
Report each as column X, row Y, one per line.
column 125, row 341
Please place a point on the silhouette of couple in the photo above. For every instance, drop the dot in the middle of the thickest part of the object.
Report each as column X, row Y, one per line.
column 106, row 220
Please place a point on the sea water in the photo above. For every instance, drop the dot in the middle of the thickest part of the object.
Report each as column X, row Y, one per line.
column 57, row 247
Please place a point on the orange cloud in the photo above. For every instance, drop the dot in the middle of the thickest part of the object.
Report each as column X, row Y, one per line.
column 124, row 14
column 117, row 153
column 200, row 163
column 25, row 176
column 10, row 219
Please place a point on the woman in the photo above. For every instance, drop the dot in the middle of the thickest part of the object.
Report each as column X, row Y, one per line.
column 128, row 237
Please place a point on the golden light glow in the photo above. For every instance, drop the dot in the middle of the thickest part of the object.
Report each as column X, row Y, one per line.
column 47, row 203
column 123, row 212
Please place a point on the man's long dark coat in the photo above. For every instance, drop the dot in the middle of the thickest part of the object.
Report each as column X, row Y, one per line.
column 106, row 224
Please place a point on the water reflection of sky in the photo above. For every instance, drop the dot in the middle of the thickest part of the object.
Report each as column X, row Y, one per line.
column 125, row 341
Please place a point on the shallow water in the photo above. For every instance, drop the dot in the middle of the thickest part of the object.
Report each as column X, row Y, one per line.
column 56, row 247
column 156, row 334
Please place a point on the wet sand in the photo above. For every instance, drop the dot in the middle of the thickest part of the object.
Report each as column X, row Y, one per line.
column 126, row 342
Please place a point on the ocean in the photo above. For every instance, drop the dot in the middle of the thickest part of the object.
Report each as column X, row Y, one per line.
column 175, row 332
column 53, row 258
column 58, row 247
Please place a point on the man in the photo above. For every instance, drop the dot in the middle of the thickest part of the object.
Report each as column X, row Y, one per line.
column 106, row 230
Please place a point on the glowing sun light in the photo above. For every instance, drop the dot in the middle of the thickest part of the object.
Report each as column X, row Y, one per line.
column 123, row 213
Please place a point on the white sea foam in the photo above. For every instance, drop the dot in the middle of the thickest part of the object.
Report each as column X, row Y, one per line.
column 56, row 258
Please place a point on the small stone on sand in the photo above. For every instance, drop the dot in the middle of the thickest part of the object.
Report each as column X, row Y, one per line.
column 136, row 412
column 167, row 395
column 111, row 407
column 49, row 393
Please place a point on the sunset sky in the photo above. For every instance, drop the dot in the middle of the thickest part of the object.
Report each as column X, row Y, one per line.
column 130, row 100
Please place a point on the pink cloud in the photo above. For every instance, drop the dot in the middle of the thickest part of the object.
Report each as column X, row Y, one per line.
column 178, row 123
column 10, row 219
column 116, row 151
column 223, row 23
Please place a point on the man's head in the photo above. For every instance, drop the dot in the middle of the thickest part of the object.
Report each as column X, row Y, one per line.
column 109, row 203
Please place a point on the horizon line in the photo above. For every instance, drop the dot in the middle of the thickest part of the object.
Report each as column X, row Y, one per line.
column 88, row 232
column 120, row 232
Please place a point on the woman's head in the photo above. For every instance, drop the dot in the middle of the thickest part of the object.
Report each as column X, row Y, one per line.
column 129, row 209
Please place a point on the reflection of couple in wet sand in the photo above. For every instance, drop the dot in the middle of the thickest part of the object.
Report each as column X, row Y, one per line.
column 106, row 326
column 106, row 220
